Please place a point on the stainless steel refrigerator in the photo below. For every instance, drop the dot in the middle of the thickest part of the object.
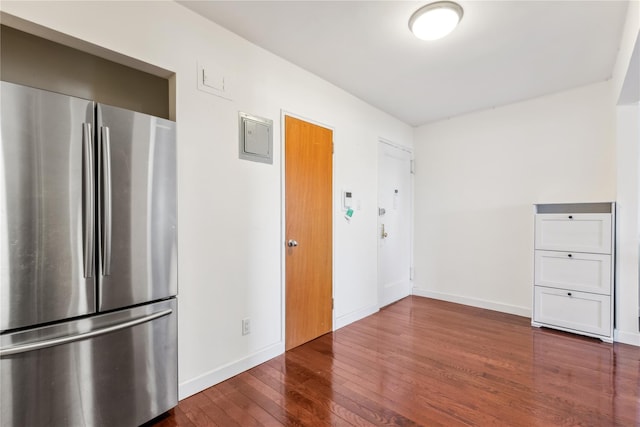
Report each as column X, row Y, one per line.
column 88, row 262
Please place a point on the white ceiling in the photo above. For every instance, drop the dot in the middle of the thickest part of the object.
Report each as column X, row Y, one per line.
column 502, row 51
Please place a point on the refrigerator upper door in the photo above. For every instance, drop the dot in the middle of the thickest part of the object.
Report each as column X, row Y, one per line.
column 46, row 207
column 137, row 205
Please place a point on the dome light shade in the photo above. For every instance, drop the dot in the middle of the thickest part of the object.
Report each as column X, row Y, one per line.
column 435, row 20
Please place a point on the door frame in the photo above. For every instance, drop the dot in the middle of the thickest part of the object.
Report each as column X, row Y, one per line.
column 409, row 150
column 283, row 223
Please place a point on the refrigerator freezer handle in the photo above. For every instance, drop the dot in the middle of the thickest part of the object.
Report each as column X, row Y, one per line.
column 8, row 351
column 89, row 201
column 106, row 194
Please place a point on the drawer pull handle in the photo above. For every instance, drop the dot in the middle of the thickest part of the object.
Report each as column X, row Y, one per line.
column 23, row 348
column 569, row 293
column 570, row 216
column 570, row 255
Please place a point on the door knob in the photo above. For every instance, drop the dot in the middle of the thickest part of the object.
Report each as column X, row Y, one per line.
column 292, row 243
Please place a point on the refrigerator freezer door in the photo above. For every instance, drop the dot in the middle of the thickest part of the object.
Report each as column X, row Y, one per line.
column 137, row 205
column 115, row 369
column 46, row 207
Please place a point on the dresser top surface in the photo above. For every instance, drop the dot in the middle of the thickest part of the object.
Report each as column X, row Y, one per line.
column 560, row 208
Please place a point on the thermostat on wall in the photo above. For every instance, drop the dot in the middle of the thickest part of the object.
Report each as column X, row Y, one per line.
column 255, row 138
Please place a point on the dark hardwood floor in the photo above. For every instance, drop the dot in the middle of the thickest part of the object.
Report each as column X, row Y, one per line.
column 430, row 363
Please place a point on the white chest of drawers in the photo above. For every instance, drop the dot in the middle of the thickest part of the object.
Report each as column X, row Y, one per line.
column 574, row 268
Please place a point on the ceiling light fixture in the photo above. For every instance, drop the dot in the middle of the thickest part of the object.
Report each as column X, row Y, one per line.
column 435, row 20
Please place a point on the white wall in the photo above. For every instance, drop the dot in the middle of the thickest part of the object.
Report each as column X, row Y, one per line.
column 477, row 177
column 628, row 176
column 628, row 223
column 230, row 236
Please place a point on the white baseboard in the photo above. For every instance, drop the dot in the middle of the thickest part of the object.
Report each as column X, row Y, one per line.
column 211, row 378
column 204, row 381
column 354, row 316
column 474, row 302
column 632, row 338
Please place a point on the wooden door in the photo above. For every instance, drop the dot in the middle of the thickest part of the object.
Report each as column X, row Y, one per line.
column 308, row 196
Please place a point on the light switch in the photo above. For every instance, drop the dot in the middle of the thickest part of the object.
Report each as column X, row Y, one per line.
column 212, row 79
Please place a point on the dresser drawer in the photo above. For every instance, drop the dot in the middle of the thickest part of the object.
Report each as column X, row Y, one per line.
column 573, row 271
column 578, row 311
column 574, row 232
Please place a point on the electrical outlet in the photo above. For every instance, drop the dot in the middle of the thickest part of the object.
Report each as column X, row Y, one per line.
column 246, row 326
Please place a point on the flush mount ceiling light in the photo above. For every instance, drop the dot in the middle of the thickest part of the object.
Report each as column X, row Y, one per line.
column 435, row 20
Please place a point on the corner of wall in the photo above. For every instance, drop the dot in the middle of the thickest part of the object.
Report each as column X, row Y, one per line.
column 354, row 316
column 474, row 302
column 630, row 33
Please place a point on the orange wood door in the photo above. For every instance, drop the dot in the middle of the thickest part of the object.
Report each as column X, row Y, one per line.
column 308, row 195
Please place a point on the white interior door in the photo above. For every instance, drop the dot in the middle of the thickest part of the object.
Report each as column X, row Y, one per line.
column 395, row 196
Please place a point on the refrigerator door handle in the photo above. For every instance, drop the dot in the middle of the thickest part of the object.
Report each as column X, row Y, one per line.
column 8, row 351
column 89, row 201
column 106, row 194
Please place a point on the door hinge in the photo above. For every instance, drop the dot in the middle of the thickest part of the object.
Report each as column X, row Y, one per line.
column 412, row 166
column 333, row 147
column 332, row 303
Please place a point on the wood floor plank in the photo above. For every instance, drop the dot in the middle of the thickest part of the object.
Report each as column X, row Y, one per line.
column 232, row 410
column 351, row 408
column 253, row 393
column 317, row 411
column 236, row 398
column 423, row 362
column 421, row 386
